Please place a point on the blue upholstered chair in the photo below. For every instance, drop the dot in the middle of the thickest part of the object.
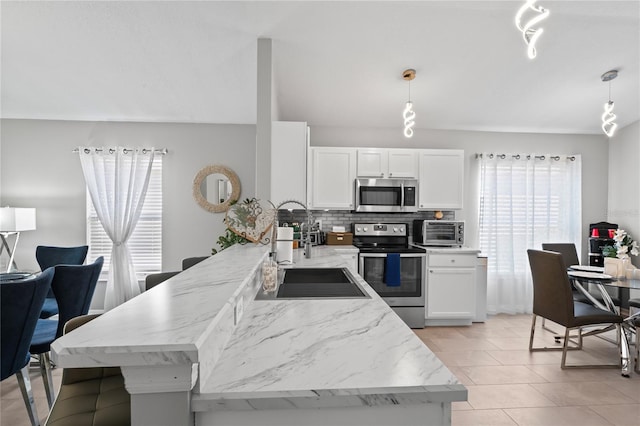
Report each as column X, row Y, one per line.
column 73, row 287
column 21, row 302
column 52, row 256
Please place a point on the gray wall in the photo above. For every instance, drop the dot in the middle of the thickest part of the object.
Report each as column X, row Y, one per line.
column 593, row 148
column 38, row 169
column 624, row 181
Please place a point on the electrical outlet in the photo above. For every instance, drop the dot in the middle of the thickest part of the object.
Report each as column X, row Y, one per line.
column 238, row 310
column 319, row 221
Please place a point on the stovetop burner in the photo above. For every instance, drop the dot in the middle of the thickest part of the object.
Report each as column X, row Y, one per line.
column 383, row 238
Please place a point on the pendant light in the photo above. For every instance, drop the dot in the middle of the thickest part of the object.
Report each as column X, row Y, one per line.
column 608, row 117
column 409, row 114
column 529, row 33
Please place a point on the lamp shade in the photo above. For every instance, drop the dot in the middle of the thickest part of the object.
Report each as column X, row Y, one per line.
column 14, row 219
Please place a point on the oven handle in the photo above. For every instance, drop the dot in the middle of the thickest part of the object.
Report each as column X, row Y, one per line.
column 402, row 194
column 385, row 254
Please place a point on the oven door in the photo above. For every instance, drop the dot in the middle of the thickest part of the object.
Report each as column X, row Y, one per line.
column 410, row 292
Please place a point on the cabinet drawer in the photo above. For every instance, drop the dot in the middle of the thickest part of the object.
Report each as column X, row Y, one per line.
column 451, row 260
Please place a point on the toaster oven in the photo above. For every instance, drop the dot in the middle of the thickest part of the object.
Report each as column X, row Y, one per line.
column 445, row 233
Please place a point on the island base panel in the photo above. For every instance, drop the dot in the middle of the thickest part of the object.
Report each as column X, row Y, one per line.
column 398, row 415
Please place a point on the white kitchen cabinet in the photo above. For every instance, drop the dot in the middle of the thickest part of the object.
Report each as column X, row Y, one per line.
column 441, row 179
column 289, row 145
column 333, row 172
column 451, row 288
column 387, row 163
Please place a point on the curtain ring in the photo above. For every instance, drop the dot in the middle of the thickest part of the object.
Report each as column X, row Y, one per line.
column 491, row 156
column 87, row 151
column 144, row 150
column 111, row 150
column 542, row 157
column 557, row 158
column 572, row 158
column 502, row 156
column 517, row 156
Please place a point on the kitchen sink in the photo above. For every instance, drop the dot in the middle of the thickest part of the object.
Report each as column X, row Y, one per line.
column 315, row 283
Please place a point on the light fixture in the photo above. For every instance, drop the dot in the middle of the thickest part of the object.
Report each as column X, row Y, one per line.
column 409, row 114
column 529, row 33
column 608, row 117
column 12, row 222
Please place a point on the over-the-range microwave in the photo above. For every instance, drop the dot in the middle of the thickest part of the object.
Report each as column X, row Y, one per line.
column 386, row 195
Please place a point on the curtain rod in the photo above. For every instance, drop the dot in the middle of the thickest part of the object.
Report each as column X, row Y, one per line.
column 527, row 156
column 161, row 151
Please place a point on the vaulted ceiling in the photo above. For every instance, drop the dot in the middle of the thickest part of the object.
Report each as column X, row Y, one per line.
column 334, row 63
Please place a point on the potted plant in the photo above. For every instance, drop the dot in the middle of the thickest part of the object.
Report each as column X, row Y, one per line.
column 616, row 257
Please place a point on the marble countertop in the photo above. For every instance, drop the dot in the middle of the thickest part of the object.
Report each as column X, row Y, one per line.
column 448, row 250
column 277, row 353
column 303, row 352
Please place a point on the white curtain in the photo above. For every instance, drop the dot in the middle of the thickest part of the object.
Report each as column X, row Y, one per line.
column 117, row 179
column 525, row 200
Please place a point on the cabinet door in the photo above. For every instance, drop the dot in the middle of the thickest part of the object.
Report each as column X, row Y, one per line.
column 451, row 293
column 402, row 163
column 332, row 178
column 289, row 143
column 372, row 163
column 441, row 179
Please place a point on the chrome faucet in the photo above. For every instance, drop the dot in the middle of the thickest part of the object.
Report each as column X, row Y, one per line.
column 309, row 223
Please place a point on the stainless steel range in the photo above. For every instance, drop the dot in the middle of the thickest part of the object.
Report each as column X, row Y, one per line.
column 393, row 268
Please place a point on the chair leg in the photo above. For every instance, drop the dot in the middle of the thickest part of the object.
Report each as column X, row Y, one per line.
column 45, row 372
column 637, row 363
column 533, row 329
column 25, row 387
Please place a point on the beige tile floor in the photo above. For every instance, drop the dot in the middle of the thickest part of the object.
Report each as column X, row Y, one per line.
column 507, row 384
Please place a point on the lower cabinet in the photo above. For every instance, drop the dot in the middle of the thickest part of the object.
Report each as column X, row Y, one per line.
column 451, row 289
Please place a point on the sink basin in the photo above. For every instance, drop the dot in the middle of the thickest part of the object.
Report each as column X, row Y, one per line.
column 316, row 283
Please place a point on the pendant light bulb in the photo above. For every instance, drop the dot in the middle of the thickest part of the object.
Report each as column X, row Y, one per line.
column 530, row 34
column 608, row 118
column 409, row 115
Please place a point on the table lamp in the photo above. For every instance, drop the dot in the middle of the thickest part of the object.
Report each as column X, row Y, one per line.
column 13, row 221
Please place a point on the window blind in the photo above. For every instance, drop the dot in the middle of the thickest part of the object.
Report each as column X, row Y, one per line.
column 145, row 244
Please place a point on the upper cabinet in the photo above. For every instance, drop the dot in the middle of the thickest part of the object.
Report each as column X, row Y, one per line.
column 289, row 145
column 441, row 179
column 333, row 173
column 387, row 163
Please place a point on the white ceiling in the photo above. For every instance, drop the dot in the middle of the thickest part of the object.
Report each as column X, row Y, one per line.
column 335, row 63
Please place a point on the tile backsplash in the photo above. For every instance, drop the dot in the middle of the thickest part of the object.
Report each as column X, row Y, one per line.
column 345, row 218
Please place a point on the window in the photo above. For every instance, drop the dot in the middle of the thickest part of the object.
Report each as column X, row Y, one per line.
column 145, row 244
column 524, row 201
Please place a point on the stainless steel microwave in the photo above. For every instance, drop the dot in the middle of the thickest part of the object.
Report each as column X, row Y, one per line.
column 438, row 232
column 386, row 195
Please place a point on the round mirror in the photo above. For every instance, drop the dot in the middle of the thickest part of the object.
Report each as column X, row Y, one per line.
column 215, row 188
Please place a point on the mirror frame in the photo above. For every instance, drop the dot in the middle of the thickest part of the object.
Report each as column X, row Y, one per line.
column 202, row 175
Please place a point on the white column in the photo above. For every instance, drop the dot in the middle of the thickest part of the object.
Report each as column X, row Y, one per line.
column 161, row 395
column 263, row 120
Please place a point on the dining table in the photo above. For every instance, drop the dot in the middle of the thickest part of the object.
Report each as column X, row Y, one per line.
column 580, row 278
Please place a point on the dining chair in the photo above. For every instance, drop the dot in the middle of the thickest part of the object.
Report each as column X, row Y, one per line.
column 90, row 396
column 191, row 261
column 553, row 300
column 73, row 286
column 20, row 304
column 48, row 256
column 570, row 257
column 635, row 303
column 153, row 280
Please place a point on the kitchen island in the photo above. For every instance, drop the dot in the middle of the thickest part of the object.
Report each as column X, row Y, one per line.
column 200, row 348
